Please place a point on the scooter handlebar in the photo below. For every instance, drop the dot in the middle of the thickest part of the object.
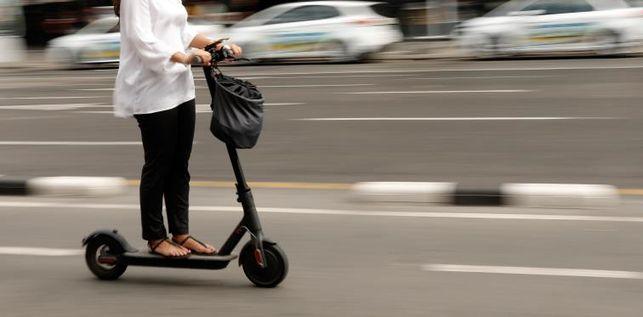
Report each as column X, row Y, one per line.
column 221, row 54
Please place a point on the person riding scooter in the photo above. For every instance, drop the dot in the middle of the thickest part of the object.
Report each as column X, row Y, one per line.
column 155, row 85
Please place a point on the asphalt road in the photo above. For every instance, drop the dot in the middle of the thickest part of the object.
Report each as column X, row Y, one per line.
column 565, row 120
column 346, row 260
column 481, row 123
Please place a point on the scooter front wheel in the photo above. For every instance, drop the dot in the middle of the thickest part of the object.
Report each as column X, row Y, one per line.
column 275, row 265
column 101, row 256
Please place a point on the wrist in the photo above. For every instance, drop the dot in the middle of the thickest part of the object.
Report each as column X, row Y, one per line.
column 187, row 58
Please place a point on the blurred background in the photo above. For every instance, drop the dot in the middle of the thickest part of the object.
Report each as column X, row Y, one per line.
column 375, row 114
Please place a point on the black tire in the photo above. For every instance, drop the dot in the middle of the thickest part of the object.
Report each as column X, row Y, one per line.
column 492, row 48
column 276, row 265
column 107, row 245
column 612, row 42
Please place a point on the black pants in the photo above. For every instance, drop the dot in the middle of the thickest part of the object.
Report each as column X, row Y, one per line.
column 167, row 141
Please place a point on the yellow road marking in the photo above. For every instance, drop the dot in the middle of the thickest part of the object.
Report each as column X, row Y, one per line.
column 328, row 186
column 271, row 185
column 631, row 191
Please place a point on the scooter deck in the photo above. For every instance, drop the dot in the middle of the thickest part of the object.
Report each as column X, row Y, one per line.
column 140, row 258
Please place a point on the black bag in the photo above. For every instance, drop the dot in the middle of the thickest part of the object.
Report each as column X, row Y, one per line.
column 237, row 110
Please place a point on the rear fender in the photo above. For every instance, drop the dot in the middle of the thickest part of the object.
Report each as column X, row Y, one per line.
column 109, row 234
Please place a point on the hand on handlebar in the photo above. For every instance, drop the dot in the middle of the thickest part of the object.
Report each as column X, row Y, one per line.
column 222, row 52
column 199, row 57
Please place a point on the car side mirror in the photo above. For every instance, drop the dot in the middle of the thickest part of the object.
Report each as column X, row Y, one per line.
column 527, row 13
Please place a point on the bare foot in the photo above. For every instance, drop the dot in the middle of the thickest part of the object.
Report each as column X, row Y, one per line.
column 193, row 244
column 166, row 248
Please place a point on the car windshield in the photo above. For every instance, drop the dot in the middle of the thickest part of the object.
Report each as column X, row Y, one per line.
column 507, row 7
column 99, row 26
column 260, row 17
column 518, row 5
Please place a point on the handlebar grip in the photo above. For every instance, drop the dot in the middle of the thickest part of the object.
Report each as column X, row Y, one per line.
column 222, row 54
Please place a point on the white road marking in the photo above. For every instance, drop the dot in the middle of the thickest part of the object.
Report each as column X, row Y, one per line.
column 315, row 85
column 311, row 77
column 94, row 89
column 438, row 70
column 31, row 118
column 282, row 104
column 50, row 107
column 201, row 108
column 492, row 91
column 477, row 77
column 40, row 251
column 53, row 97
column 457, row 119
column 519, row 270
column 68, row 143
column 58, row 78
column 332, row 212
column 97, row 112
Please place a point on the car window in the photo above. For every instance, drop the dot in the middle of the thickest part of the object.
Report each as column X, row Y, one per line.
column 305, row 13
column 384, row 9
column 559, row 7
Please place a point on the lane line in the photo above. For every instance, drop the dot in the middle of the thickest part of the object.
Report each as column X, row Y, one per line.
column 32, row 118
column 493, row 91
column 70, row 143
column 40, row 251
column 269, row 185
column 631, row 191
column 53, row 97
column 200, row 108
column 315, row 85
column 544, row 271
column 332, row 212
column 94, row 89
column 50, row 107
column 478, row 77
column 315, row 77
column 456, row 119
column 438, row 70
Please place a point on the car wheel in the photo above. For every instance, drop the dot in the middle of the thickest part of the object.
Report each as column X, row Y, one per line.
column 492, row 47
column 336, row 50
column 607, row 42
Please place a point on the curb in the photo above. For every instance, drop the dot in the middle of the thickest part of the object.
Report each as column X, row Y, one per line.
column 63, row 186
column 508, row 194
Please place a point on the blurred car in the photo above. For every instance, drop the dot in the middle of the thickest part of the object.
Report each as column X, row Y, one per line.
column 338, row 30
column 554, row 26
column 97, row 43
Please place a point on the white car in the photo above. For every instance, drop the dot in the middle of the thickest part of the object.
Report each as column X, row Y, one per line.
column 338, row 30
column 554, row 26
column 97, row 43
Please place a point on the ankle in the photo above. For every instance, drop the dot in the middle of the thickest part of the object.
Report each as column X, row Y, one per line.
column 180, row 237
column 154, row 241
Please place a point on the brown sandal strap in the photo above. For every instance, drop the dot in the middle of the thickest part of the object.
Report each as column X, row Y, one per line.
column 153, row 248
column 182, row 243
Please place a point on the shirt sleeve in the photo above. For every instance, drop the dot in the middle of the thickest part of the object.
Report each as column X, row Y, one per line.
column 154, row 54
column 188, row 34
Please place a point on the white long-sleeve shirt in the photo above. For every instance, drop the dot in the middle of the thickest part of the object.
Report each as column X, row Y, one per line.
column 148, row 81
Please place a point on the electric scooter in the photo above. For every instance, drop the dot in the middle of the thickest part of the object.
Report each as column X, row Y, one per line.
column 264, row 263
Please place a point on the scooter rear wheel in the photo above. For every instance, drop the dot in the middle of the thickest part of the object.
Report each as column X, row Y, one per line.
column 276, row 265
column 101, row 256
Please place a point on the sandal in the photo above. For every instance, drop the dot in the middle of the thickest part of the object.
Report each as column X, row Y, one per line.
column 155, row 246
column 182, row 243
